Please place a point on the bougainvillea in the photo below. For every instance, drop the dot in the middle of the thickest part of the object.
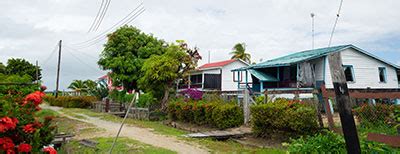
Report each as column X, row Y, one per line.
column 193, row 94
column 20, row 130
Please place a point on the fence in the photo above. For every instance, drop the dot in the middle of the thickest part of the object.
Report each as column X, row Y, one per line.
column 375, row 112
column 120, row 109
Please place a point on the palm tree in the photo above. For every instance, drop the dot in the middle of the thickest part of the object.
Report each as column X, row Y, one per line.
column 78, row 86
column 239, row 52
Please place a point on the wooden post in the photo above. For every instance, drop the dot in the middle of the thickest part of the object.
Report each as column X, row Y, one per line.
column 343, row 102
column 58, row 68
column 328, row 109
column 246, row 109
column 37, row 72
column 107, row 105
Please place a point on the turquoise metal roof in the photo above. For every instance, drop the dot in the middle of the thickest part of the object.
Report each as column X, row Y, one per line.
column 262, row 76
column 298, row 57
column 307, row 55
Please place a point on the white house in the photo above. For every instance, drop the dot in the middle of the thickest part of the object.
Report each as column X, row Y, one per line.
column 216, row 76
column 309, row 69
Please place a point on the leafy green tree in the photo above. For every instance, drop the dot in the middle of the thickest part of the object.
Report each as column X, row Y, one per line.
column 125, row 52
column 161, row 71
column 2, row 68
column 239, row 52
column 22, row 67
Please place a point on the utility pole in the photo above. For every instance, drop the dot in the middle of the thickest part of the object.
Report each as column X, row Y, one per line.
column 37, row 72
column 58, row 68
column 343, row 101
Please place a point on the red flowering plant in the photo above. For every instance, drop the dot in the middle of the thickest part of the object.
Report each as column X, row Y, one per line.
column 21, row 131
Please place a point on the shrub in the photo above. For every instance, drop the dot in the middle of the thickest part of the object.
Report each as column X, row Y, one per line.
column 329, row 142
column 283, row 116
column 71, row 101
column 21, row 130
column 219, row 115
column 146, row 100
column 193, row 94
column 321, row 142
column 227, row 116
column 375, row 115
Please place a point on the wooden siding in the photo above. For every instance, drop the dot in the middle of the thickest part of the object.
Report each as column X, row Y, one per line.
column 366, row 71
column 227, row 76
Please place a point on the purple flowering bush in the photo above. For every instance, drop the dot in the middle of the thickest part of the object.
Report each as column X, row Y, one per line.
column 193, row 93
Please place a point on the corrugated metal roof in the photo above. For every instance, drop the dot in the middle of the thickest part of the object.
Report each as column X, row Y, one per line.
column 308, row 55
column 298, row 57
column 217, row 64
column 262, row 76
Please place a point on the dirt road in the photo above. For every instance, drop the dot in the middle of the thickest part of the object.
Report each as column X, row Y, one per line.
column 141, row 134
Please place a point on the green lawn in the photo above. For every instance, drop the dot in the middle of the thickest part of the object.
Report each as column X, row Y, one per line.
column 228, row 146
column 124, row 145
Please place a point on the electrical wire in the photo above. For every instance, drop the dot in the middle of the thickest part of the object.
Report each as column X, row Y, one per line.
column 97, row 16
column 81, row 52
column 81, row 61
column 101, row 37
column 103, row 14
column 51, row 55
column 334, row 25
column 119, row 23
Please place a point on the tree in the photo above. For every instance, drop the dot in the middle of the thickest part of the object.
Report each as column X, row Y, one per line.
column 2, row 68
column 125, row 52
column 160, row 71
column 78, row 86
column 239, row 52
column 22, row 67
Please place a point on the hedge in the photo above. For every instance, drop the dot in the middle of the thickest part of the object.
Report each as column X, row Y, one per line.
column 71, row 101
column 283, row 116
column 218, row 115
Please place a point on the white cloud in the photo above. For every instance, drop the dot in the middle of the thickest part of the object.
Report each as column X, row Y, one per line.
column 31, row 28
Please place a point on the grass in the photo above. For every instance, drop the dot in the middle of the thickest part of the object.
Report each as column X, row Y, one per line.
column 124, row 145
column 228, row 146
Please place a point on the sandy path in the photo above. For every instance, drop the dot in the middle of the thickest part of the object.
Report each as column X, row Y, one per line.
column 141, row 134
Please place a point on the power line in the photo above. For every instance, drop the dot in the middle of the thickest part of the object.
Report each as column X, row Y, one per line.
column 98, row 40
column 51, row 54
column 334, row 25
column 81, row 52
column 103, row 14
column 78, row 59
column 119, row 23
column 97, row 16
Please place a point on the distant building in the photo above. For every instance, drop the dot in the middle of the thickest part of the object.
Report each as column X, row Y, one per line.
column 216, row 76
column 106, row 79
column 309, row 69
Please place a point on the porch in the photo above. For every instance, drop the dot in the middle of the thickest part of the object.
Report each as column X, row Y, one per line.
column 202, row 82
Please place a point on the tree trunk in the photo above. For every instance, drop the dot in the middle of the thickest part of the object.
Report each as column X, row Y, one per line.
column 164, row 101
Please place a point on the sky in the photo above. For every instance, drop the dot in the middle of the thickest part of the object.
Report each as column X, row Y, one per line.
column 31, row 29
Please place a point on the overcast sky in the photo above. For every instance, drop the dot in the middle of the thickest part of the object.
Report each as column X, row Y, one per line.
column 31, row 29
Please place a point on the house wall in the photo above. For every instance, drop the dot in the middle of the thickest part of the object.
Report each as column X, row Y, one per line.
column 227, row 76
column 366, row 71
column 319, row 68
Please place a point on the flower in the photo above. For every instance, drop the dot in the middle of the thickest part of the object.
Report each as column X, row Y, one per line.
column 49, row 150
column 24, row 147
column 35, row 97
column 29, row 128
column 7, row 123
column 6, row 143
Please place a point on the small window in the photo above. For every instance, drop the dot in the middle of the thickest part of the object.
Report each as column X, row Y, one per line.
column 349, row 73
column 382, row 74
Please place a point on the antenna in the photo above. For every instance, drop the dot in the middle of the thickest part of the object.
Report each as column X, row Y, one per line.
column 209, row 57
column 312, row 29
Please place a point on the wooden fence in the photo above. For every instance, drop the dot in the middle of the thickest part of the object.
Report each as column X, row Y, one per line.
column 120, row 109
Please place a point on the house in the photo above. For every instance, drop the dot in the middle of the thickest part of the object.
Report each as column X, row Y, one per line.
column 106, row 80
column 308, row 69
column 216, row 76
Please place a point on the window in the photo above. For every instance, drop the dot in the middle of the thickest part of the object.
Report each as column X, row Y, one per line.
column 196, row 79
column 382, row 74
column 349, row 73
